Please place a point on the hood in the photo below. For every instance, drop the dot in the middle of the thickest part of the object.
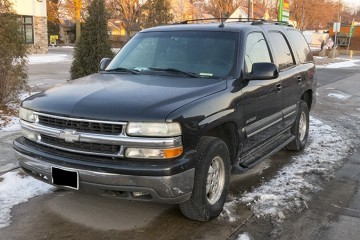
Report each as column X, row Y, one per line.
column 123, row 97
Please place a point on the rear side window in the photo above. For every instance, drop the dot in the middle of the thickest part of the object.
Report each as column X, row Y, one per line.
column 301, row 46
column 282, row 52
column 256, row 50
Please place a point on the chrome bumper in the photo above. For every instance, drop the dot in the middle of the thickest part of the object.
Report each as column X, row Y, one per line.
column 168, row 189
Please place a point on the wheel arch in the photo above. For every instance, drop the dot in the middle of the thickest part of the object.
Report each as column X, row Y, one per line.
column 307, row 97
column 228, row 133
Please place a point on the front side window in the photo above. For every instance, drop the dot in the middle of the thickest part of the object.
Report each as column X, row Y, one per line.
column 256, row 50
column 205, row 54
column 282, row 52
column 27, row 29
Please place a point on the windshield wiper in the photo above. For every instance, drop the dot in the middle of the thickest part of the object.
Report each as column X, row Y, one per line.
column 174, row 70
column 121, row 69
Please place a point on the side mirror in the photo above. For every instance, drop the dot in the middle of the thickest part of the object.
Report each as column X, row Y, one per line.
column 104, row 63
column 263, row 71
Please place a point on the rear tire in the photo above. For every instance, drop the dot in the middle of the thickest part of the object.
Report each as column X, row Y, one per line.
column 300, row 129
column 211, row 183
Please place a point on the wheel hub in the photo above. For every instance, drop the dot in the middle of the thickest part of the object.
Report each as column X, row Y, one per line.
column 302, row 126
column 215, row 180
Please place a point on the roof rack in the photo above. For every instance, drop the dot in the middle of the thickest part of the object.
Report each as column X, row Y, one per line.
column 283, row 23
column 222, row 20
column 255, row 21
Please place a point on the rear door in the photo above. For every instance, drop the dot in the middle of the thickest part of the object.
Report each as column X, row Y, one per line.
column 289, row 74
column 262, row 100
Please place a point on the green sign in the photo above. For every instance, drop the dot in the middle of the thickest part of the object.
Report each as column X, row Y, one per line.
column 284, row 10
column 352, row 28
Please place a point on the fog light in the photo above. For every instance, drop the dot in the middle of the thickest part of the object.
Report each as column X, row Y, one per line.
column 139, row 194
column 153, row 153
column 30, row 135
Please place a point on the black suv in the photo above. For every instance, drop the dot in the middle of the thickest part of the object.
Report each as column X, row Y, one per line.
column 176, row 111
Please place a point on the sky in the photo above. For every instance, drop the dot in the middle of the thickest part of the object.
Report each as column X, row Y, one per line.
column 353, row 3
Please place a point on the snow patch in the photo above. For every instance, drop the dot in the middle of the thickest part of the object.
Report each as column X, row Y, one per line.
column 344, row 64
column 16, row 189
column 244, row 236
column 229, row 211
column 291, row 188
column 340, row 95
column 67, row 47
column 48, row 58
column 11, row 123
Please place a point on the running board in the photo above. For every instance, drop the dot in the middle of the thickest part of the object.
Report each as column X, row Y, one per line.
column 265, row 151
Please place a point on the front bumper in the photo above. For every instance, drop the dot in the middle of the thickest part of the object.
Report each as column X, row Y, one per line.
column 174, row 188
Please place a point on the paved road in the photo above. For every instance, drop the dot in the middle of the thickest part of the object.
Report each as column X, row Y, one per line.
column 69, row 215
column 46, row 75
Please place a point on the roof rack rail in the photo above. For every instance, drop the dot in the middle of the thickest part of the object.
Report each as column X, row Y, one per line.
column 222, row 20
column 255, row 21
column 282, row 23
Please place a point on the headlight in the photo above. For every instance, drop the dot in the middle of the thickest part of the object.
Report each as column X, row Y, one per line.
column 153, row 129
column 26, row 114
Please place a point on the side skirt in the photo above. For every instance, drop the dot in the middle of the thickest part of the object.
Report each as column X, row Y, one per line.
column 265, row 150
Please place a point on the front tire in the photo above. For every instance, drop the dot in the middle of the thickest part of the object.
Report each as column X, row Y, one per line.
column 300, row 129
column 211, row 183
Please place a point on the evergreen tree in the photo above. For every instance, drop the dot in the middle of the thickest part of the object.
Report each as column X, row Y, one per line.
column 94, row 42
column 12, row 54
column 157, row 12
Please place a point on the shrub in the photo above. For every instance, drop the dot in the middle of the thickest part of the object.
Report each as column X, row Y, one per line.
column 12, row 55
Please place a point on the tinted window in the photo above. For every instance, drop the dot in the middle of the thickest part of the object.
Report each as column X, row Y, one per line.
column 301, row 46
column 256, row 50
column 208, row 54
column 282, row 52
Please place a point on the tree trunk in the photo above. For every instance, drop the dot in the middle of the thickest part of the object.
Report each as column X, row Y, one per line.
column 78, row 4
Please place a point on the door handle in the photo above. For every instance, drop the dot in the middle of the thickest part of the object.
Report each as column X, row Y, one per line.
column 278, row 87
column 299, row 79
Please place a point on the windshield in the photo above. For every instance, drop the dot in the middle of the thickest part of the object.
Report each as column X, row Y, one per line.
column 203, row 54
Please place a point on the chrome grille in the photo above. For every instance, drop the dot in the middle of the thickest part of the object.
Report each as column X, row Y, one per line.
column 88, row 137
column 97, row 127
column 90, row 148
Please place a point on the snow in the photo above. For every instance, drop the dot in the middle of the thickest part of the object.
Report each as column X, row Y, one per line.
column 12, row 125
column 16, row 189
column 244, row 236
column 291, row 188
column 343, row 64
column 67, row 46
column 341, row 96
column 48, row 58
column 12, row 122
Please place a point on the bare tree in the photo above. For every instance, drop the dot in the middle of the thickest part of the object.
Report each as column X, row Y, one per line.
column 311, row 14
column 128, row 11
column 76, row 10
column 182, row 10
column 223, row 8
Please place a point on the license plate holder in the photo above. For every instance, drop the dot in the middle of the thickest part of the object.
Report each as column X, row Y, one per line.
column 65, row 178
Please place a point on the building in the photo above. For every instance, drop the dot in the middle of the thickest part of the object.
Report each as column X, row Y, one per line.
column 67, row 31
column 33, row 16
column 343, row 37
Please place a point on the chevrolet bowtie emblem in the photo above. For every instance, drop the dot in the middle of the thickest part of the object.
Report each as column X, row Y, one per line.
column 69, row 135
